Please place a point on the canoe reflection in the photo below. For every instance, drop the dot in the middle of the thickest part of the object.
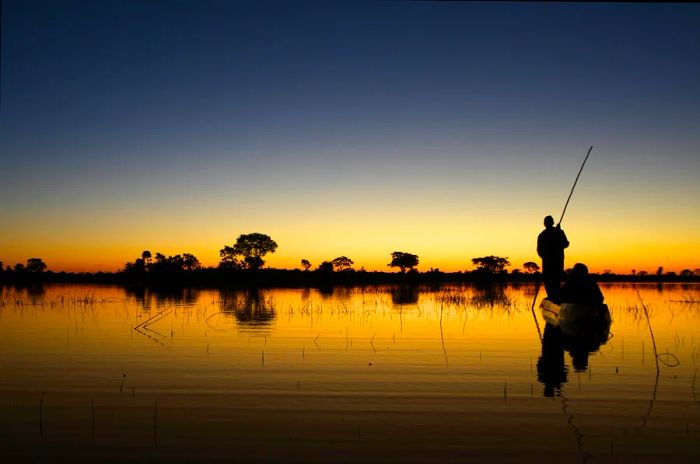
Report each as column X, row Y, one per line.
column 552, row 371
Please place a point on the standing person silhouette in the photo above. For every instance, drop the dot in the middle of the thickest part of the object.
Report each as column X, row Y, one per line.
column 550, row 247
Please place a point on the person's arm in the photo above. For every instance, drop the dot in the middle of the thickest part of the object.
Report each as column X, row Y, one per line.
column 539, row 246
column 564, row 240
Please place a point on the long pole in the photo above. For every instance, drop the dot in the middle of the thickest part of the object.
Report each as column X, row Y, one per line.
column 537, row 291
column 539, row 281
column 574, row 186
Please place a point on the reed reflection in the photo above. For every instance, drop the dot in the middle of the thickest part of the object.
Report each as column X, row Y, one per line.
column 305, row 294
column 337, row 294
column 35, row 292
column 490, row 295
column 32, row 293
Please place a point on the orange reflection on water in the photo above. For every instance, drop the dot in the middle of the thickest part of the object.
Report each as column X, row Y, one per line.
column 358, row 365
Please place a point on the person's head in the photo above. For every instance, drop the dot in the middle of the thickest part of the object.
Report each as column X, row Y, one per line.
column 548, row 222
column 579, row 271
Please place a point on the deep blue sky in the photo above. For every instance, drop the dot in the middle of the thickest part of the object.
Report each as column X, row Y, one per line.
column 120, row 106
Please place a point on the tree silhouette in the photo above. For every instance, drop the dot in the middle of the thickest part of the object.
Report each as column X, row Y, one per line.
column 162, row 264
column 176, row 262
column 660, row 271
column 19, row 267
column 306, row 264
column 531, row 267
column 253, row 262
column 342, row 263
column 229, row 258
column 35, row 265
column 139, row 266
column 491, row 264
column 136, row 267
column 190, row 262
column 325, row 266
column 403, row 261
column 252, row 247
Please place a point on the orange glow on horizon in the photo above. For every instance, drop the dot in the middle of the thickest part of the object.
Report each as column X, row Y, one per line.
column 640, row 258
column 445, row 236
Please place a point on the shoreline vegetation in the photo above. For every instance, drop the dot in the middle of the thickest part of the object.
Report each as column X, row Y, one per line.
column 215, row 277
column 296, row 278
column 242, row 264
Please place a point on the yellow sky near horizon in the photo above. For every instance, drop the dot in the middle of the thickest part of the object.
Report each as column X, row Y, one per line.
column 441, row 240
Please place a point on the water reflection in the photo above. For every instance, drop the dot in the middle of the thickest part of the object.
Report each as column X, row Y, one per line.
column 480, row 296
column 404, row 295
column 148, row 298
column 551, row 367
column 341, row 295
column 579, row 341
column 305, row 294
column 491, row 295
column 35, row 292
column 253, row 309
column 368, row 364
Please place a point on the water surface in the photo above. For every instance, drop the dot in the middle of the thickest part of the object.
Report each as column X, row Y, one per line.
column 95, row 373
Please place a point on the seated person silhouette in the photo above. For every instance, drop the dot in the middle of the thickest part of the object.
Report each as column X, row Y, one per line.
column 581, row 288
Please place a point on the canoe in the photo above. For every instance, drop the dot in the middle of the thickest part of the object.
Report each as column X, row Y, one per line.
column 555, row 314
column 586, row 322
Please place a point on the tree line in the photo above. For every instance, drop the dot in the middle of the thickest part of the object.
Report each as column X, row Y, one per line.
column 33, row 266
column 249, row 251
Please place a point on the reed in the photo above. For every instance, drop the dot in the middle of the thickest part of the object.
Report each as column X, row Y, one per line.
column 674, row 361
column 41, row 415
column 155, row 424
column 155, row 318
column 92, row 423
column 687, row 299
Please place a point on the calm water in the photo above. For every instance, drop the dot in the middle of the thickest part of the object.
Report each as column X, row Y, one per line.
column 102, row 374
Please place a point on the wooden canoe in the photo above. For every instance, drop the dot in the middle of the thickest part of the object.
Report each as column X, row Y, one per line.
column 578, row 321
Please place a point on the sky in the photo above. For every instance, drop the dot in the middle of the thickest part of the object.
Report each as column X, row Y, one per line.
column 444, row 129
